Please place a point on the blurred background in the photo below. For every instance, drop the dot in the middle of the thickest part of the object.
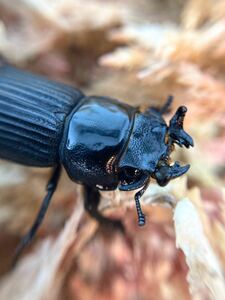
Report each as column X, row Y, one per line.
column 139, row 51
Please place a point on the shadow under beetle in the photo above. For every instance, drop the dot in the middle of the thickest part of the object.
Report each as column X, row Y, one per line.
column 102, row 143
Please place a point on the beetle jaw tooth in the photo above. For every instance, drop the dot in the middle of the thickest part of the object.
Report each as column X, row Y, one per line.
column 177, row 170
column 165, row 173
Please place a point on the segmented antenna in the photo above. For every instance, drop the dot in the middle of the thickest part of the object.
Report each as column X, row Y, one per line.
column 141, row 216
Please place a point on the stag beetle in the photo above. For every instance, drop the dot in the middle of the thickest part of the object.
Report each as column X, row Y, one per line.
column 102, row 143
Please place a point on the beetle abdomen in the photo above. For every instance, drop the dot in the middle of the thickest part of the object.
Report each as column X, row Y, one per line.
column 32, row 114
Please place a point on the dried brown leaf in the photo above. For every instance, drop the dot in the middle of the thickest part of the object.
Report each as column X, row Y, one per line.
column 45, row 268
column 63, row 23
column 205, row 275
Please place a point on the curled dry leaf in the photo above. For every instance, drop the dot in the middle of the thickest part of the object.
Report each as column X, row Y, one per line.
column 63, row 22
column 197, row 13
column 128, row 58
column 193, row 16
column 47, row 265
column 205, row 275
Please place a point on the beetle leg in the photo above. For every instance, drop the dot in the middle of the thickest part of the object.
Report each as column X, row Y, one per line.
column 51, row 187
column 141, row 216
column 91, row 202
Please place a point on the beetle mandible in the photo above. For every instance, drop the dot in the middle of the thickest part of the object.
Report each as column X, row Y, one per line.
column 102, row 143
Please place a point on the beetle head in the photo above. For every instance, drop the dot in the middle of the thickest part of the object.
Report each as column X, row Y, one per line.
column 149, row 149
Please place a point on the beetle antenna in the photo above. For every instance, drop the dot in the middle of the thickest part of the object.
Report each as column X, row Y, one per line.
column 141, row 216
column 163, row 110
column 166, row 107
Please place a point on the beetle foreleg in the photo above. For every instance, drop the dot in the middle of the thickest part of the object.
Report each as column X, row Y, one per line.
column 51, row 187
column 91, row 202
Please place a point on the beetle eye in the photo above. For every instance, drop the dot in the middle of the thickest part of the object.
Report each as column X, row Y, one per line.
column 131, row 173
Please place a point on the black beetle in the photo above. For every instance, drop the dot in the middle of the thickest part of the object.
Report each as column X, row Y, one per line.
column 102, row 143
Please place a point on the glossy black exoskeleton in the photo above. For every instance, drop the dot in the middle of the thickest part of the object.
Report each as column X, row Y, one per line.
column 102, row 143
